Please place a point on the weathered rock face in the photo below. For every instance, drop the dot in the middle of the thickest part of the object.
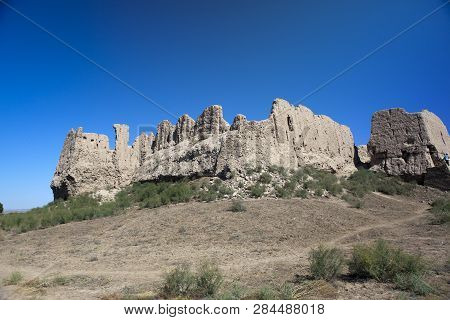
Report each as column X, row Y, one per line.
column 87, row 164
column 362, row 156
column 291, row 137
column 407, row 144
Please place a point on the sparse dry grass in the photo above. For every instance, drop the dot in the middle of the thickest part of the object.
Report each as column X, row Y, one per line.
column 315, row 289
column 133, row 248
column 13, row 279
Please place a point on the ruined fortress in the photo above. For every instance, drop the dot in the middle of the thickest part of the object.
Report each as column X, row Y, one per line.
column 401, row 143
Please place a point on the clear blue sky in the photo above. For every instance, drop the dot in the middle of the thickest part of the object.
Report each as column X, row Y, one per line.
column 187, row 55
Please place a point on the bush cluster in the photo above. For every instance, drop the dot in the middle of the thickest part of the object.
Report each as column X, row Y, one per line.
column 182, row 282
column 384, row 263
column 213, row 192
column 355, row 202
column 235, row 292
column 290, row 188
column 257, row 190
column 379, row 261
column 441, row 210
column 206, row 282
column 287, row 190
column 365, row 181
column 78, row 208
column 277, row 169
column 265, row 178
column 153, row 195
column 321, row 181
column 85, row 207
column 238, row 206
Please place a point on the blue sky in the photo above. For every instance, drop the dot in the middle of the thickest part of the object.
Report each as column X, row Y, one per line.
column 187, row 55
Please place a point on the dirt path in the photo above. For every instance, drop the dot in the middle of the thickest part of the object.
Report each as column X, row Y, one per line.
column 339, row 241
column 384, row 224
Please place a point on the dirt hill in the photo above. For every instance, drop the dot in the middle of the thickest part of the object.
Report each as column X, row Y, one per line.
column 266, row 245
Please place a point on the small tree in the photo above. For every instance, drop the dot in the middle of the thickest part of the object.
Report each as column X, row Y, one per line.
column 1, row 207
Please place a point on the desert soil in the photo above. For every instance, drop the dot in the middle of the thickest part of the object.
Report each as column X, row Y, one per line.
column 266, row 245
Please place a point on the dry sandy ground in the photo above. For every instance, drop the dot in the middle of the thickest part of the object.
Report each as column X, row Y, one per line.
column 267, row 244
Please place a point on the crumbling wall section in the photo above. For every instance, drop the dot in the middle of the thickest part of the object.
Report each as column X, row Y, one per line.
column 407, row 144
column 291, row 137
column 87, row 164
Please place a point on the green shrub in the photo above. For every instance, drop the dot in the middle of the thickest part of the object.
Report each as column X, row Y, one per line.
column 282, row 192
column 318, row 192
column 251, row 170
column 286, row 292
column 14, row 279
column 182, row 282
column 266, row 293
column 208, row 280
column 265, row 178
column 365, row 181
column 310, row 185
column 382, row 262
column 78, row 208
column 122, row 200
column 301, row 193
column 393, row 186
column 236, row 292
column 320, row 181
column 297, row 176
column 152, row 202
column 178, row 283
column 412, row 282
column 326, row 263
column 441, row 210
column 287, row 190
column 310, row 171
column 257, row 190
column 277, row 169
column 176, row 193
column 207, row 196
column 152, row 195
column 215, row 191
column 328, row 181
column 1, row 207
column 238, row 206
column 61, row 281
column 335, row 189
column 361, row 182
column 353, row 201
column 273, row 292
column 223, row 191
column 85, row 207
